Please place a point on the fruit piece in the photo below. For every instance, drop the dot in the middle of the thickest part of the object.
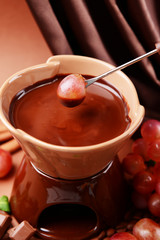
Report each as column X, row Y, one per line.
column 157, row 187
column 123, row 236
column 144, row 182
column 133, row 164
column 153, row 150
column 139, row 146
column 146, row 229
column 150, row 130
column 154, row 204
column 71, row 90
column 4, row 204
column 5, row 163
column 156, row 170
column 140, row 201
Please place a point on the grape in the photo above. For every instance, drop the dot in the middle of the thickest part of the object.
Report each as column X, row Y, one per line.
column 143, row 167
column 154, row 204
column 156, row 170
column 5, row 163
column 146, row 229
column 123, row 236
column 133, row 164
column 157, row 187
column 139, row 146
column 150, row 130
column 144, row 182
column 71, row 90
column 154, row 150
column 140, row 201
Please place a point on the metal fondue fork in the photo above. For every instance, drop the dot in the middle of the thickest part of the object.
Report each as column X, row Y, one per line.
column 92, row 80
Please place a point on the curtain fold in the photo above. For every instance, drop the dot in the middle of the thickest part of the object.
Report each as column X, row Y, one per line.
column 130, row 37
column 84, row 29
column 115, row 31
column 50, row 27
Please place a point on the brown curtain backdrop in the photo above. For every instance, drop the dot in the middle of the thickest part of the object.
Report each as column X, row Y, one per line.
column 115, row 31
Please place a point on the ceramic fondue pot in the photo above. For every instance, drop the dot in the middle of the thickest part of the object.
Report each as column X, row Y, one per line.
column 70, row 162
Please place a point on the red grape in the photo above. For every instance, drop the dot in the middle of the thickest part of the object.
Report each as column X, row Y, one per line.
column 154, row 204
column 5, row 163
column 144, row 182
column 154, row 150
column 157, row 187
column 150, row 130
column 140, row 201
column 133, row 164
column 139, row 146
column 143, row 168
column 156, row 171
column 71, row 90
column 146, row 229
column 123, row 236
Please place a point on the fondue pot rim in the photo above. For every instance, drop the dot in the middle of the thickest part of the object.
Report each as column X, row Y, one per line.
column 54, row 60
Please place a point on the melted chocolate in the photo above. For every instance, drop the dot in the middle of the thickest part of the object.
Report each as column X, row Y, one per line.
column 103, row 114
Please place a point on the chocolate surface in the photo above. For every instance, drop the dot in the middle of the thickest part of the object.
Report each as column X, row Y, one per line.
column 103, row 115
column 5, row 221
column 23, row 231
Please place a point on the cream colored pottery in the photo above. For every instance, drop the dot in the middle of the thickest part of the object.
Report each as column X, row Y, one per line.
column 70, row 162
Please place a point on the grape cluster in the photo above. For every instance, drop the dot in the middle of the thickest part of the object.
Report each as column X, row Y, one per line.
column 143, row 167
column 144, row 229
column 142, row 170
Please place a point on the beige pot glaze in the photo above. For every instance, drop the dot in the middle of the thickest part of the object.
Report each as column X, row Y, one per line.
column 70, row 162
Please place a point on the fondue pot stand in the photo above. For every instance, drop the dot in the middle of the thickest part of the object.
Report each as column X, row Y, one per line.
column 69, row 209
column 69, row 192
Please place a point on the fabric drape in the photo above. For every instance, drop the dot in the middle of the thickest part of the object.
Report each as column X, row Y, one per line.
column 115, row 31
